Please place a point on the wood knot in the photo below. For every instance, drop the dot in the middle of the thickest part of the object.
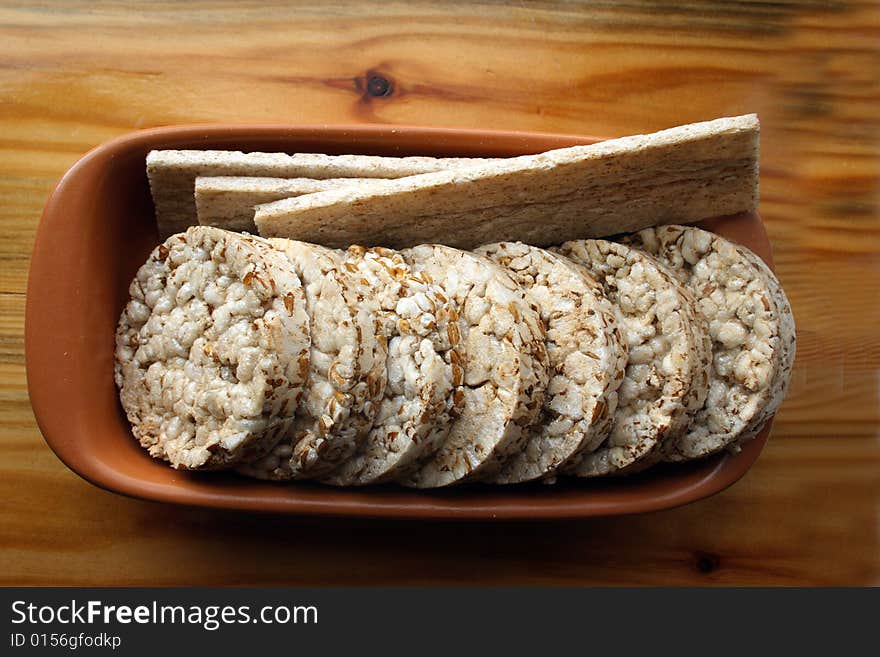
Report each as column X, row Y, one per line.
column 374, row 84
column 706, row 562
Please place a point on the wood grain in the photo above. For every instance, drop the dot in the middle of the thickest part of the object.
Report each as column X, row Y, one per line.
column 74, row 74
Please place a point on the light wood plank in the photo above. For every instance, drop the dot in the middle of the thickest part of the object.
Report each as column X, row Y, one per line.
column 74, row 74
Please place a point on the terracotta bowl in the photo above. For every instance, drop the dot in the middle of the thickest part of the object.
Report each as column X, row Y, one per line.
column 97, row 229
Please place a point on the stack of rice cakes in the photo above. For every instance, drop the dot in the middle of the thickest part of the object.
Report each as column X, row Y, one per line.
column 433, row 366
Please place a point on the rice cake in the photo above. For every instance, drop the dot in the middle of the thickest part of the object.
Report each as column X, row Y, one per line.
column 665, row 381
column 422, row 396
column 733, row 296
column 788, row 345
column 343, row 374
column 212, row 350
column 587, row 356
column 505, row 365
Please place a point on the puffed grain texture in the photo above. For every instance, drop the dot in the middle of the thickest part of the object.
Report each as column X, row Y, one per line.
column 343, row 375
column 212, row 349
column 787, row 344
column 587, row 356
column 665, row 381
column 505, row 365
column 734, row 298
column 423, row 393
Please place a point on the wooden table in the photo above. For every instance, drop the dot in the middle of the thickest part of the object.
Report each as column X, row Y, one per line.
column 75, row 74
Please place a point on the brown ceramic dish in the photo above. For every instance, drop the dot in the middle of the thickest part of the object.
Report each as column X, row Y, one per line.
column 97, row 229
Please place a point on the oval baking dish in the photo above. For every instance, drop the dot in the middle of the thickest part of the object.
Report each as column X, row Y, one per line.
column 98, row 227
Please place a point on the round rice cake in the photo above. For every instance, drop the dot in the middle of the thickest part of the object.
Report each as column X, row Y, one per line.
column 665, row 381
column 212, row 350
column 788, row 346
column 369, row 389
column 505, row 365
column 697, row 397
column 422, row 395
column 346, row 373
column 587, row 356
column 737, row 303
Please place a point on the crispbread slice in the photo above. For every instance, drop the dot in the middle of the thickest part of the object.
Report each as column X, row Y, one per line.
column 228, row 201
column 172, row 174
column 678, row 175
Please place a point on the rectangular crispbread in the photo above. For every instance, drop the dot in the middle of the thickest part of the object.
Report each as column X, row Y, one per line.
column 172, row 174
column 679, row 175
column 228, row 201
